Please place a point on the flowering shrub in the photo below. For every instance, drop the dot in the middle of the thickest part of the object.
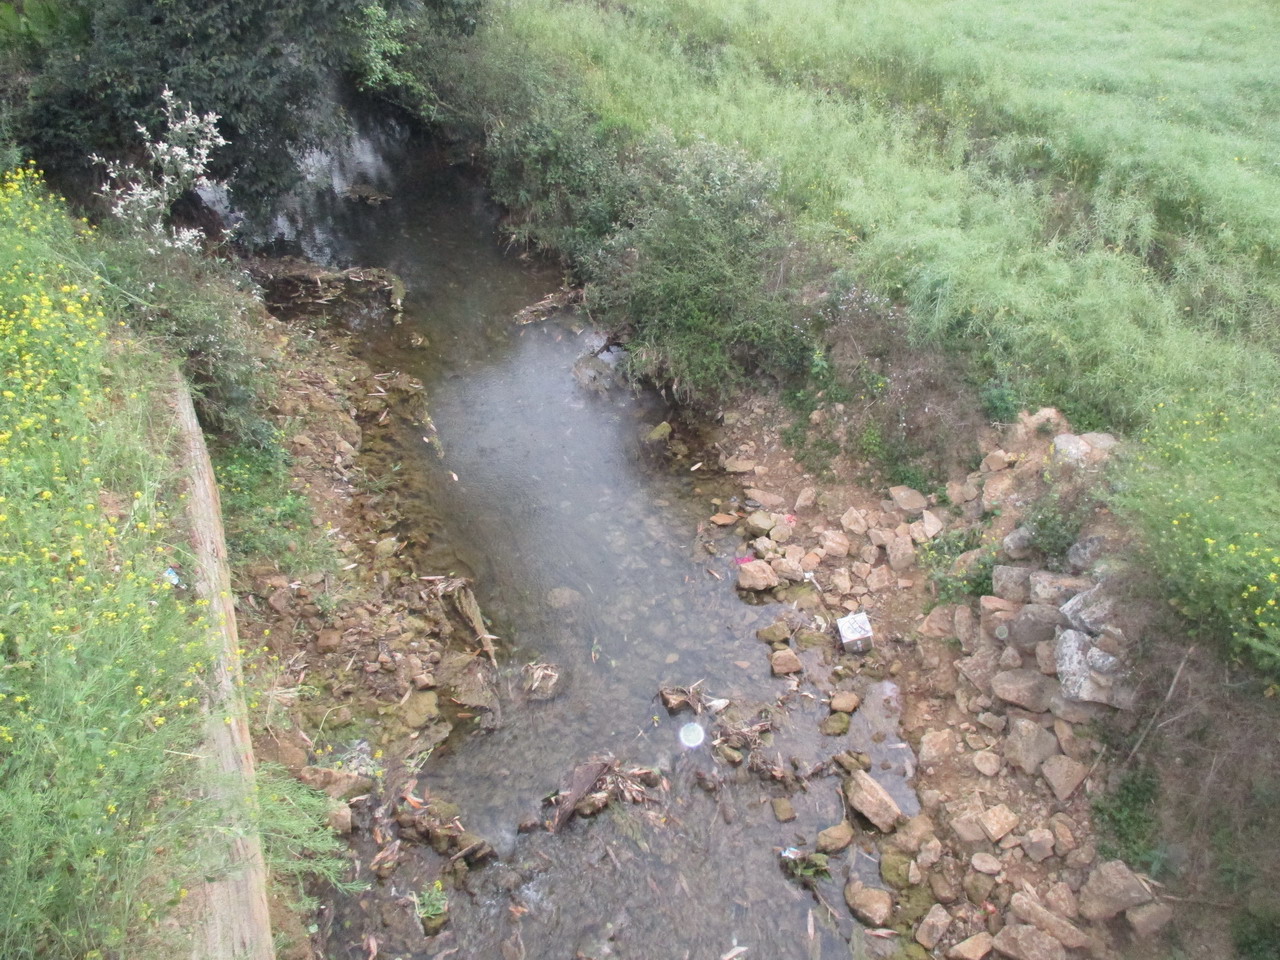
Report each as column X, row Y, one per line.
column 141, row 197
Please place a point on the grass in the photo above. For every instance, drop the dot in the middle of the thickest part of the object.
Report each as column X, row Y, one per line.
column 104, row 648
column 103, row 658
column 1127, row 818
column 1084, row 197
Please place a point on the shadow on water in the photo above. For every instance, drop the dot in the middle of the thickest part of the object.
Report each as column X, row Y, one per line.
column 584, row 543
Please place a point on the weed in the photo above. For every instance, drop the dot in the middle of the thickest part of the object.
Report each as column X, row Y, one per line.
column 938, row 557
column 1000, row 401
column 1055, row 522
column 265, row 517
column 431, row 903
column 1127, row 817
column 1256, row 938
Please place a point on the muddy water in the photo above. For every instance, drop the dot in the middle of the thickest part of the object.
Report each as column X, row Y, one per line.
column 584, row 542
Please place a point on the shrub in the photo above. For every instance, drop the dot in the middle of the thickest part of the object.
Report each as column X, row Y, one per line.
column 689, row 275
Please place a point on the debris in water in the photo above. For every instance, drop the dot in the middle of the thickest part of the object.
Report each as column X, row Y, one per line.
column 676, row 699
column 735, row 952
column 540, row 680
column 855, row 633
column 692, row 735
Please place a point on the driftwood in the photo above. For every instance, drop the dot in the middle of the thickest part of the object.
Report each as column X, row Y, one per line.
column 581, row 782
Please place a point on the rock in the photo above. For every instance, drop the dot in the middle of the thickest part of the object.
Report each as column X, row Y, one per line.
column 1149, row 919
column 1029, row 689
column 760, row 522
column 561, row 598
column 1055, row 589
column 986, row 863
column 834, row 839
column 781, row 532
column 661, row 432
column 845, row 701
column 806, row 499
column 785, row 661
column 1031, row 911
column 1070, row 450
column 783, row 810
column 1063, row 775
column 997, row 821
column 927, row 527
column 1046, row 661
column 1071, row 655
column 938, row 745
column 873, row 907
column 1011, row 583
column 854, row 521
column 841, row 582
column 994, row 461
column 835, row 725
column 881, row 579
column 739, row 465
column 1111, row 888
column 338, row 784
column 834, row 543
column 1010, row 659
column 327, row 640
column 939, row 623
column 1023, row 942
column 1035, row 623
column 1091, row 610
column 787, row 569
column 978, row 886
column 420, row 708
column 778, row 632
column 340, row 820
column 1038, row 844
column 770, row 501
column 913, row 834
column 975, row 948
column 909, row 501
column 1018, row 544
column 1064, row 834
column 1085, row 553
column 724, row 519
column 902, row 554
column 1029, row 745
column 756, row 575
column 933, row 927
column 868, row 798
column 1062, row 900
column 385, row 548
column 987, row 763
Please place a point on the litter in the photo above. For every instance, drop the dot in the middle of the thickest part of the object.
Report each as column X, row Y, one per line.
column 855, row 633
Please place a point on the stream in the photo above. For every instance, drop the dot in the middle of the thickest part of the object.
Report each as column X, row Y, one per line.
column 584, row 542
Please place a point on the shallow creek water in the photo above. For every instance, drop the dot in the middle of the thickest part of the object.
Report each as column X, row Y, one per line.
column 583, row 542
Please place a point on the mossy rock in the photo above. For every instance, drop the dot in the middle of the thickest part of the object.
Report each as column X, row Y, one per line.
column 835, row 725
column 894, row 867
column 775, row 633
column 812, row 640
column 913, row 903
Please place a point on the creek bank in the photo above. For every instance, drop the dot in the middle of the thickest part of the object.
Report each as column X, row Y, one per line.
column 369, row 664
column 1002, row 695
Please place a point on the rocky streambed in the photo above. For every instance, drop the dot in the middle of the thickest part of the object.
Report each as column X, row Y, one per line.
column 579, row 685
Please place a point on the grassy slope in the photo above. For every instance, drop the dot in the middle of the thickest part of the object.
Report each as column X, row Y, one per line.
column 100, row 677
column 1088, row 193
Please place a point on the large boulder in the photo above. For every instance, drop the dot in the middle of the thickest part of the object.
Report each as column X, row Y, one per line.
column 1111, row 889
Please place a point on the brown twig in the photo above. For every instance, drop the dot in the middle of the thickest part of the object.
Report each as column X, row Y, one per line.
column 1164, row 703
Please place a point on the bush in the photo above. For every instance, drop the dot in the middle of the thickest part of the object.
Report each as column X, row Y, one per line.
column 691, row 273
